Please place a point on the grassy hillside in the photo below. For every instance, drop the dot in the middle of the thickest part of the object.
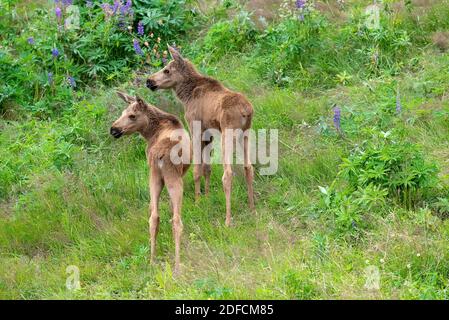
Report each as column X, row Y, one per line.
column 368, row 192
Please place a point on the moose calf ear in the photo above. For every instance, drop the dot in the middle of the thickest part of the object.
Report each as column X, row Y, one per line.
column 141, row 104
column 175, row 54
column 128, row 99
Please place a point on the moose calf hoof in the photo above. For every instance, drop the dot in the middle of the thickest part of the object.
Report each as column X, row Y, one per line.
column 176, row 272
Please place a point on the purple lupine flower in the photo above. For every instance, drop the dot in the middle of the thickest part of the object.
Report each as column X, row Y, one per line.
column 337, row 118
column 164, row 61
column 71, row 81
column 55, row 52
column 30, row 40
column 50, row 77
column 58, row 13
column 137, row 47
column 300, row 4
column 105, row 7
column 89, row 4
column 140, row 29
column 116, row 6
column 398, row 102
column 126, row 9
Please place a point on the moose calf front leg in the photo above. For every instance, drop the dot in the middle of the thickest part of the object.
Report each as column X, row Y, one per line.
column 227, row 151
column 227, row 187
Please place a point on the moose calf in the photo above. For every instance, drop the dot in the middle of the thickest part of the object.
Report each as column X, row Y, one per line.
column 164, row 134
column 214, row 106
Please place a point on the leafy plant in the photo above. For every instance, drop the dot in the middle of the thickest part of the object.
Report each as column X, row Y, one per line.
column 230, row 36
column 167, row 19
column 298, row 286
column 387, row 162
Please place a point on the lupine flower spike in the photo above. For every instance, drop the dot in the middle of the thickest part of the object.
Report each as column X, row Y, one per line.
column 137, row 47
column 115, row 7
column 50, row 78
column 398, row 101
column 140, row 29
column 337, row 118
column 30, row 40
column 300, row 4
column 71, row 81
column 55, row 52
column 126, row 9
column 58, row 13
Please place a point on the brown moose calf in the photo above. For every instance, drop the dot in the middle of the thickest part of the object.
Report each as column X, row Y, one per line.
column 167, row 141
column 207, row 102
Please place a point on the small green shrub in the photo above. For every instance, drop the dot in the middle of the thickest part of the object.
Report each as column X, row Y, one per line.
column 383, row 168
column 390, row 163
column 286, row 49
column 230, row 36
column 167, row 19
column 298, row 286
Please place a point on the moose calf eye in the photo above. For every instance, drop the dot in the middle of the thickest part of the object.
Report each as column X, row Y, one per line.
column 166, row 71
column 132, row 117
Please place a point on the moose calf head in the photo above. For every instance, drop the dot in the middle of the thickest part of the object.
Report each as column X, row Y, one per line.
column 133, row 118
column 172, row 74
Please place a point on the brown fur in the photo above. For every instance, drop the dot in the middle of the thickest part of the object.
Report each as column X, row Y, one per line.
column 207, row 100
column 157, row 126
column 441, row 40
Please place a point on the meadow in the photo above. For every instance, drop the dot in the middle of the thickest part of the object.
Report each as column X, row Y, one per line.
column 358, row 208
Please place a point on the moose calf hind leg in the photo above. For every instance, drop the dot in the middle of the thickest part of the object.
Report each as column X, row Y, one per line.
column 154, row 229
column 249, row 176
column 156, row 185
column 197, row 180
column 249, row 173
column 175, row 190
column 206, row 173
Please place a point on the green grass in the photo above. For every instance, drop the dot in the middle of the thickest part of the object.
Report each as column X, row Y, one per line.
column 71, row 195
